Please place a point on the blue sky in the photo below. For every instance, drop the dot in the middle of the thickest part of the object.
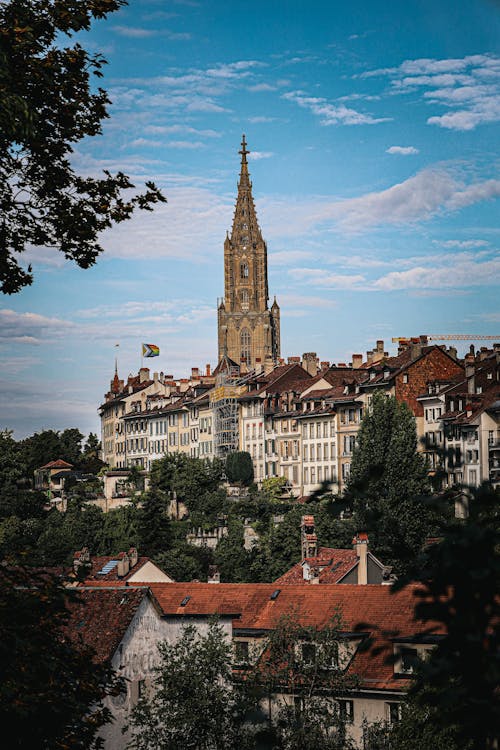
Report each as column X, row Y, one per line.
column 374, row 131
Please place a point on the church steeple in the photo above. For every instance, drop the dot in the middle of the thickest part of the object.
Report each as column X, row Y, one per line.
column 245, row 282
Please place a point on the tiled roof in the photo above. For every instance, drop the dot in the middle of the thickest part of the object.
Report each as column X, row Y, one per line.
column 59, row 464
column 98, row 563
column 371, row 609
column 100, row 618
column 334, row 564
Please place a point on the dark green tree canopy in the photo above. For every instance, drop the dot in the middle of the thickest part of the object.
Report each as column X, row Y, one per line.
column 47, row 103
column 239, row 468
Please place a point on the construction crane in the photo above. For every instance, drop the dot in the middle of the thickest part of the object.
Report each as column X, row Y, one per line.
column 445, row 337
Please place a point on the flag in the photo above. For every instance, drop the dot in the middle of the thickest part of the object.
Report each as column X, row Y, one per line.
column 150, row 350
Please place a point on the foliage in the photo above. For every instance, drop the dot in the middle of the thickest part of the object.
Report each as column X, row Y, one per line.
column 388, row 484
column 231, row 557
column 195, row 482
column 47, row 104
column 193, row 705
column 119, row 531
column 301, row 672
column 460, row 577
column 12, row 468
column 51, row 691
column 154, row 526
column 239, row 468
column 273, row 488
column 416, row 730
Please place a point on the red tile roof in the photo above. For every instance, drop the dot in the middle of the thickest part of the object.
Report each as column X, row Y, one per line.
column 100, row 618
column 334, row 564
column 98, row 563
column 372, row 609
column 59, row 464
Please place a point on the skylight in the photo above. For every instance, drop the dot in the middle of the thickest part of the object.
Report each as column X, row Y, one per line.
column 108, row 567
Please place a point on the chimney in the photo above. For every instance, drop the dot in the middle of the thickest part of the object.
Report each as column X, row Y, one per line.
column 452, row 351
column 133, row 556
column 360, row 545
column 143, row 374
column 309, row 540
column 325, row 366
column 213, row 574
column 81, row 559
column 123, row 564
column 155, row 377
column 369, row 357
column 314, row 574
column 310, row 363
column 195, row 373
column 357, row 361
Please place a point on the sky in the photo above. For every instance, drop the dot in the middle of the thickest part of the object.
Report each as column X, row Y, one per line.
column 373, row 128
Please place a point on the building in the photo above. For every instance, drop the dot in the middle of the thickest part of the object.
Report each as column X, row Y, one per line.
column 379, row 639
column 248, row 331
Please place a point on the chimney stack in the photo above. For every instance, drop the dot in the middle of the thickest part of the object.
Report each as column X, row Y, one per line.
column 309, row 540
column 143, row 374
column 213, row 574
column 133, row 556
column 360, row 545
column 357, row 361
column 123, row 565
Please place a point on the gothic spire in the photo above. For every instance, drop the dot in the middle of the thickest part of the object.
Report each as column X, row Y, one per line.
column 245, row 231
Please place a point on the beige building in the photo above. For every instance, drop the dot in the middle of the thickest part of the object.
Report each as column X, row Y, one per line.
column 248, row 331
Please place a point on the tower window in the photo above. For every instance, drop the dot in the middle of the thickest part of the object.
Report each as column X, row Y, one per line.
column 246, row 343
column 244, row 299
column 244, row 270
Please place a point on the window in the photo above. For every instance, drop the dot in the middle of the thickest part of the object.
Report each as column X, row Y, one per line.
column 244, row 270
column 409, row 660
column 246, row 343
column 346, row 711
column 405, row 380
column 309, row 652
column 244, row 299
column 393, row 712
column 241, row 652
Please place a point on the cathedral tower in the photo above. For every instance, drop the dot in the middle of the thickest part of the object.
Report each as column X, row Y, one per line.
column 249, row 332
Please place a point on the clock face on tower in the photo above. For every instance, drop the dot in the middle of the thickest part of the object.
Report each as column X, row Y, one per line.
column 248, row 331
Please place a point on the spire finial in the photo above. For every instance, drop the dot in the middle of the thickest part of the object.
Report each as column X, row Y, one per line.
column 243, row 151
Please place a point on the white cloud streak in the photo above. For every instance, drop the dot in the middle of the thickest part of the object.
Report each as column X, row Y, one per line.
column 402, row 150
column 331, row 113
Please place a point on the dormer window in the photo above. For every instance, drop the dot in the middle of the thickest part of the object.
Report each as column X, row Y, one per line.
column 387, row 374
column 405, row 377
column 372, row 375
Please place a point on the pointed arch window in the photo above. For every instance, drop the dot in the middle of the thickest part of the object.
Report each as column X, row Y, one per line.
column 244, row 298
column 246, row 344
column 244, row 270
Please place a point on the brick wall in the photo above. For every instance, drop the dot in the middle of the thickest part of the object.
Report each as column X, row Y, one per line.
column 435, row 365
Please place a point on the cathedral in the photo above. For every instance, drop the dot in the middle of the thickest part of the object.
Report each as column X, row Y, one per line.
column 248, row 331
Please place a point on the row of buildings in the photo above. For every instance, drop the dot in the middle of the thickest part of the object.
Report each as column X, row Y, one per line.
column 299, row 419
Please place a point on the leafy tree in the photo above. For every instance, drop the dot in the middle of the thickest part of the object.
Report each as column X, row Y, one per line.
column 278, row 549
column 154, row 525
column 51, row 690
column 460, row 577
column 273, row 488
column 186, row 562
column 301, row 672
column 231, row 557
column 12, row 468
column 119, row 531
column 192, row 704
column 46, row 105
column 416, row 730
column 239, row 468
column 388, row 484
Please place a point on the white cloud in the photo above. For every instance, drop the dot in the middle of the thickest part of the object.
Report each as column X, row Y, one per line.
column 285, row 257
column 417, row 198
column 331, row 113
column 465, row 244
column 469, row 86
column 323, row 278
column 402, row 150
column 31, row 328
column 256, row 155
column 465, row 273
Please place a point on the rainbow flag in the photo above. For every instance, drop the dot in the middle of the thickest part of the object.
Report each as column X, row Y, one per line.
column 150, row 350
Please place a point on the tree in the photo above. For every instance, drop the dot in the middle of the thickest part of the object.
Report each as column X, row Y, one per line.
column 273, row 488
column 192, row 704
column 154, row 526
column 239, row 468
column 47, row 104
column 230, row 555
column 301, row 671
column 460, row 577
column 388, row 484
column 51, row 690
